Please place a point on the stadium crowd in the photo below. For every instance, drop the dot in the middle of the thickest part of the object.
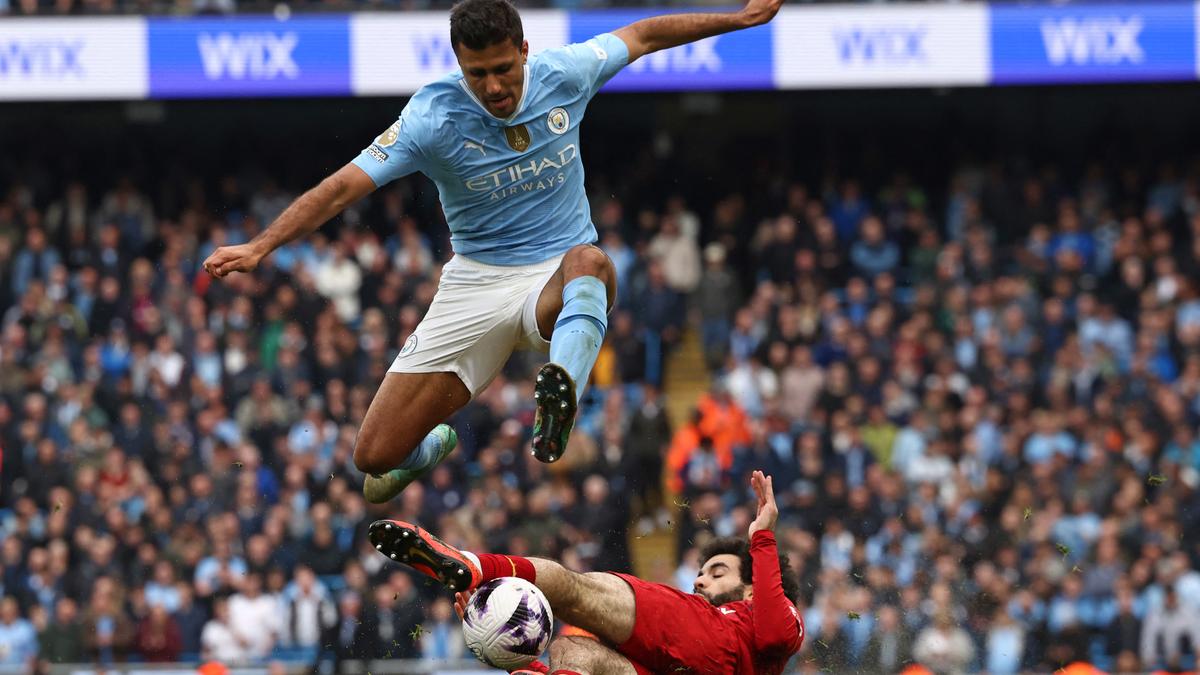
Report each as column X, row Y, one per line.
column 980, row 412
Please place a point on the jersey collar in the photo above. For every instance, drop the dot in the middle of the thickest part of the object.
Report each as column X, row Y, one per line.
column 462, row 82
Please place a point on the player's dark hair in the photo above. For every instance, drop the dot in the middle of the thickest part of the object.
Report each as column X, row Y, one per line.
column 741, row 548
column 479, row 24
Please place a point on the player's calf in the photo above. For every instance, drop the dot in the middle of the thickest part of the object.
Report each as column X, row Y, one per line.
column 401, row 438
column 580, row 322
column 572, row 655
column 380, row 488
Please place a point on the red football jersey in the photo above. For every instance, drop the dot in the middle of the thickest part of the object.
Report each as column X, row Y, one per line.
column 770, row 628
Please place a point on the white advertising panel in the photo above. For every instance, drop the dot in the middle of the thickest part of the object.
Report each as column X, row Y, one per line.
column 881, row 46
column 395, row 54
column 73, row 59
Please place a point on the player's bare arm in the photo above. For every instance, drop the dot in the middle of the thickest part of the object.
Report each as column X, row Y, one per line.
column 663, row 32
column 310, row 210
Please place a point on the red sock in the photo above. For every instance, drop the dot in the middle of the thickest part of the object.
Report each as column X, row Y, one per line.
column 494, row 566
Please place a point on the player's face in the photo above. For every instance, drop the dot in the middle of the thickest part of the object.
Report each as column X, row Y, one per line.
column 495, row 74
column 720, row 580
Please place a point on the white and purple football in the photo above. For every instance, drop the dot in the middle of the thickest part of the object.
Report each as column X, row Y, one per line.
column 508, row 623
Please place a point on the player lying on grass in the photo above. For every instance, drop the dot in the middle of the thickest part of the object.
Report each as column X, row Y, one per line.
column 740, row 620
column 500, row 139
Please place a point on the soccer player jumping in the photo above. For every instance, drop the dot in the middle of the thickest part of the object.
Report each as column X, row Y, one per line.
column 500, row 139
column 740, row 620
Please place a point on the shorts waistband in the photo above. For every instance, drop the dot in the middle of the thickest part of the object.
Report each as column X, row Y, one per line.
column 468, row 263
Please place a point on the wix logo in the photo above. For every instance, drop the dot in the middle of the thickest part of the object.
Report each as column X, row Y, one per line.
column 884, row 44
column 433, row 52
column 1103, row 41
column 690, row 58
column 254, row 56
column 41, row 58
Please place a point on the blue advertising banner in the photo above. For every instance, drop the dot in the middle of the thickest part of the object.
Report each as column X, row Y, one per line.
column 1153, row 41
column 249, row 57
column 740, row 60
column 387, row 54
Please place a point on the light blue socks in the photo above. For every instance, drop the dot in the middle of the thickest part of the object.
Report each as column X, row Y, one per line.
column 423, row 454
column 580, row 329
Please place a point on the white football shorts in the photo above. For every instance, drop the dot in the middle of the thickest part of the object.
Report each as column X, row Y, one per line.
column 479, row 316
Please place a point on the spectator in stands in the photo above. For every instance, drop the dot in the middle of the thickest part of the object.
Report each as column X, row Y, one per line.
column 441, row 638
column 357, row 633
column 891, row 643
column 1005, row 644
column 62, row 640
column 718, row 296
column 218, row 640
column 1123, row 634
column 18, row 638
column 158, row 638
column 679, row 254
column 944, row 647
column 1165, row 632
column 34, row 262
column 221, row 570
column 254, row 617
column 873, row 254
column 311, row 613
column 108, row 631
column 191, row 620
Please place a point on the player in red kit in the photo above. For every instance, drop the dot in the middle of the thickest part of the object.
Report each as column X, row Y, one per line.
column 740, row 619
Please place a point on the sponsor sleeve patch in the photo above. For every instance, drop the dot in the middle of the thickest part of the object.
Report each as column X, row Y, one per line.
column 377, row 154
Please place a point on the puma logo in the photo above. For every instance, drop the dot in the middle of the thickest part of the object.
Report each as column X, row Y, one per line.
column 472, row 145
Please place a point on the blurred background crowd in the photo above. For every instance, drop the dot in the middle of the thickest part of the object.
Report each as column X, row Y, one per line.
column 977, row 389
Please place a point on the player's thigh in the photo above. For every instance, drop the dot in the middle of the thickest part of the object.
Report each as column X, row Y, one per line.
column 603, row 605
column 673, row 629
column 583, row 260
column 405, row 409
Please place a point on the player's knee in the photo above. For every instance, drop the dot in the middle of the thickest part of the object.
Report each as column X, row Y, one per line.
column 573, row 649
column 368, row 463
column 587, row 260
column 369, row 456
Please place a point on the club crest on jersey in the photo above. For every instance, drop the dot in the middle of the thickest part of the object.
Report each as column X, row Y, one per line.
column 558, row 121
column 517, row 137
column 389, row 137
column 410, row 345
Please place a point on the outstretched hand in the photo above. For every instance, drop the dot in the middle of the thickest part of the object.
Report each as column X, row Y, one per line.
column 460, row 602
column 768, row 512
column 758, row 12
column 226, row 259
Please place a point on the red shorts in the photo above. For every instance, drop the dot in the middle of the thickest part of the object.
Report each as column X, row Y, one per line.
column 673, row 630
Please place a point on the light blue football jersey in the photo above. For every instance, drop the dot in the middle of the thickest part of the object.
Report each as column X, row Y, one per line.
column 512, row 189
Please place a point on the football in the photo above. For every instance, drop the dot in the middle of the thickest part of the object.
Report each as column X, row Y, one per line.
column 508, row 623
